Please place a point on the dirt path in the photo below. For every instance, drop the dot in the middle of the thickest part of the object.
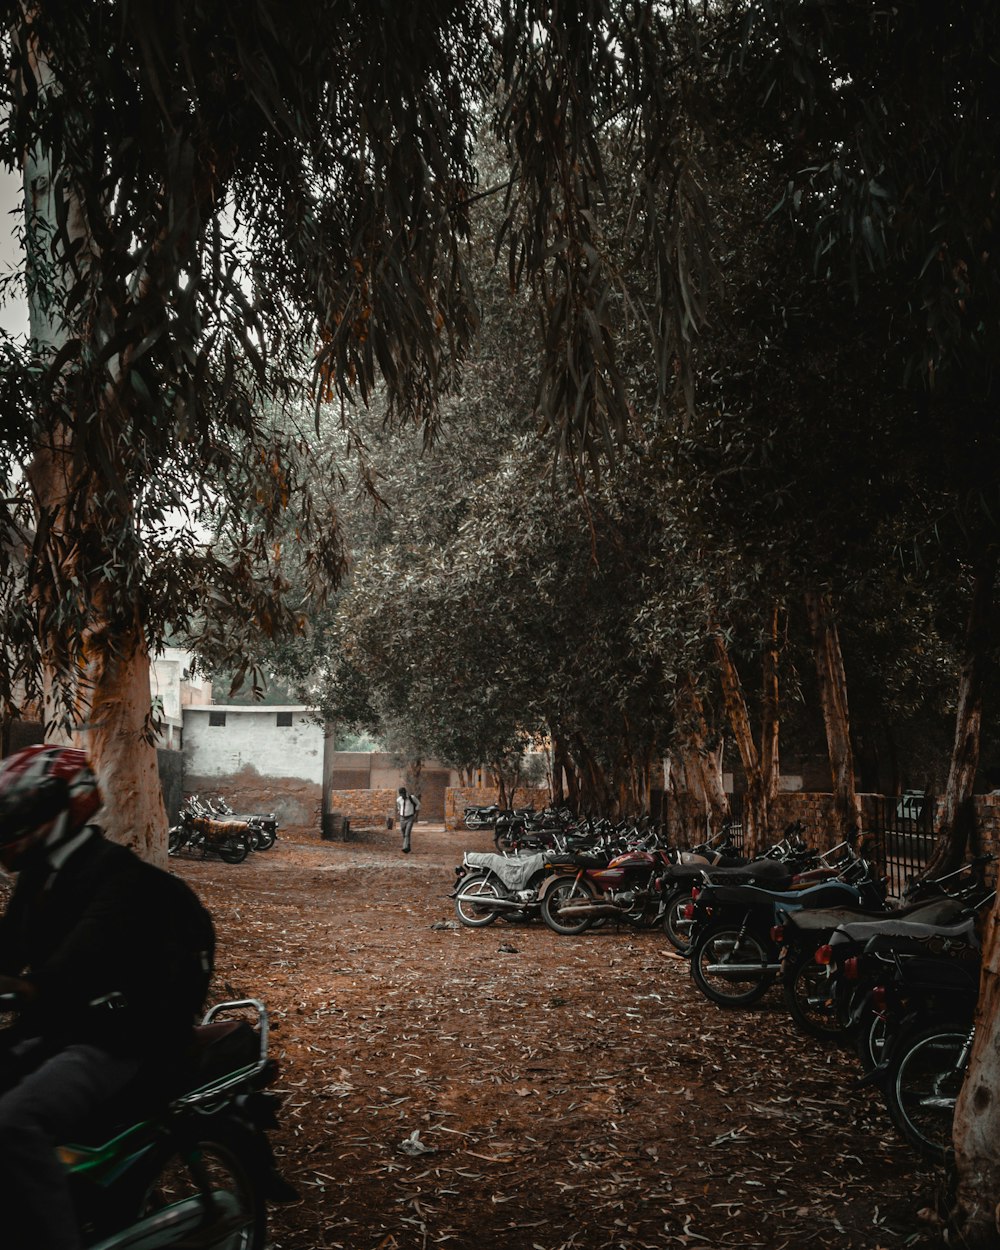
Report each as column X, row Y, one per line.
column 553, row 1092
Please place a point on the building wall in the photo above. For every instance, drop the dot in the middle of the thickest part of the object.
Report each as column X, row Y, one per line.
column 252, row 740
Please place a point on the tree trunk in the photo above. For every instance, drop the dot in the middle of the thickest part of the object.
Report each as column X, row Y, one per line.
column 770, row 755
column 977, row 1113
column 833, row 699
column 958, row 817
column 700, row 761
column 756, row 815
column 110, row 695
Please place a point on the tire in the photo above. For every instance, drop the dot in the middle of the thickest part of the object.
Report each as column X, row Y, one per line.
column 175, row 839
column 266, row 838
column 235, row 850
column 675, row 926
column 926, row 1073
column 473, row 822
column 724, row 944
column 476, row 917
column 560, row 893
column 809, row 998
column 507, row 839
column 870, row 1039
column 225, row 1155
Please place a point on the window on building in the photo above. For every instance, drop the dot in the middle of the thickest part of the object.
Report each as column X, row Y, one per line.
column 283, row 720
column 217, row 719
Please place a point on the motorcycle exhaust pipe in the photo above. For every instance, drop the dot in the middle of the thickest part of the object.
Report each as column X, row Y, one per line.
column 495, row 904
column 581, row 908
column 720, row 970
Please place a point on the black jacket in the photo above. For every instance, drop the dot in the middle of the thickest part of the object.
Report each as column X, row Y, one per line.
column 107, row 924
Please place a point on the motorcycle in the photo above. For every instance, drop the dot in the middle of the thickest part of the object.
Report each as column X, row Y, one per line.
column 735, row 956
column 196, row 1169
column 719, row 854
column 624, row 886
column 480, row 816
column 262, row 828
column 199, row 831
column 822, row 977
column 489, row 887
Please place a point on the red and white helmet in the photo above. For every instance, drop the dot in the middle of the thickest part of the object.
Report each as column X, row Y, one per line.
column 40, row 783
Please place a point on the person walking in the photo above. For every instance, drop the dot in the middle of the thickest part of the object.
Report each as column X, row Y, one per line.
column 407, row 805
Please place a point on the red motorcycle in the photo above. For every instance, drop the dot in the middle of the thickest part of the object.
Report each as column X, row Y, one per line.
column 578, row 894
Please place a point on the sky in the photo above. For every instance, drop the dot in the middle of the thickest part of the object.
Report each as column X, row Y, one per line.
column 14, row 314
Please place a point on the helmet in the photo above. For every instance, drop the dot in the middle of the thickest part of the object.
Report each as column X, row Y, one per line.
column 40, row 783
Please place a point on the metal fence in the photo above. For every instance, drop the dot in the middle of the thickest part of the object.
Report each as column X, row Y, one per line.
column 902, row 835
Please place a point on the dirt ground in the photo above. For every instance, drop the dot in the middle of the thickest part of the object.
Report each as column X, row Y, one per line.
column 507, row 1087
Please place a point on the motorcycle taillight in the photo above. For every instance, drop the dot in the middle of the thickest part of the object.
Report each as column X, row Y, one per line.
column 695, row 891
column 689, row 911
column 878, row 998
column 824, row 955
column 851, row 968
column 778, row 934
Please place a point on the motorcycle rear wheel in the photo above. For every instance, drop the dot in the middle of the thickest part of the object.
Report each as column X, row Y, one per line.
column 927, row 1071
column 222, row 1153
column 724, row 944
column 265, row 838
column 476, row 916
column 559, row 894
column 235, row 850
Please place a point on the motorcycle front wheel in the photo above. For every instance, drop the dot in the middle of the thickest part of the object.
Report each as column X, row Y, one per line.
column 216, row 1161
column 560, row 894
column 730, row 967
column 470, row 912
column 675, row 925
column 809, row 998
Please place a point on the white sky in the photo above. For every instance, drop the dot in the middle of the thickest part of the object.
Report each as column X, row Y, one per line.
column 13, row 314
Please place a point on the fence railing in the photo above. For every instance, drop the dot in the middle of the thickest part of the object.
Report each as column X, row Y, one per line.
column 902, row 836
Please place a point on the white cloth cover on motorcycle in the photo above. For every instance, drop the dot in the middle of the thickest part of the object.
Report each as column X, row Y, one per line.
column 513, row 872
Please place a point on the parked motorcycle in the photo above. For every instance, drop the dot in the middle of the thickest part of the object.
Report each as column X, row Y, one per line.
column 687, row 872
column 481, row 816
column 199, row 832
column 578, row 893
column 196, row 1169
column 734, row 956
column 262, row 828
column 489, row 887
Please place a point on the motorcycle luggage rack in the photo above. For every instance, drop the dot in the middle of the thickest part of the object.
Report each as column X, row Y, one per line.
column 210, row 1091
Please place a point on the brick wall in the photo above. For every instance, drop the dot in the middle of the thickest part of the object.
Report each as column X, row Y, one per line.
column 364, row 808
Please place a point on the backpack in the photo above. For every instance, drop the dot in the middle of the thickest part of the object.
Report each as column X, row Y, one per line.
column 186, row 951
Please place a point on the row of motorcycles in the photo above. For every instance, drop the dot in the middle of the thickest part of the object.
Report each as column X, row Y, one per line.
column 898, row 982
column 212, row 828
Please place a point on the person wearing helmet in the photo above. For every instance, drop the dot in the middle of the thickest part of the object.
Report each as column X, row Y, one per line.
column 88, row 950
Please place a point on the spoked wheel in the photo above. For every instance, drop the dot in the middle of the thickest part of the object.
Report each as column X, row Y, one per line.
column 927, row 1073
column 871, row 1037
column 808, row 996
column 675, row 924
column 730, row 967
column 216, row 1165
column 477, row 915
column 555, row 902
column 235, row 850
